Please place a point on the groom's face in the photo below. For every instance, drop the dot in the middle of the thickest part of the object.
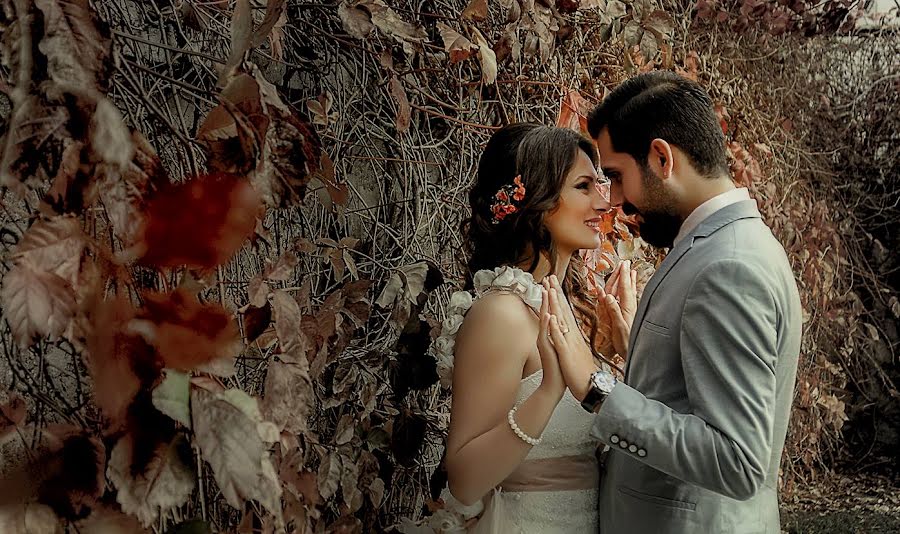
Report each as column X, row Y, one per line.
column 638, row 190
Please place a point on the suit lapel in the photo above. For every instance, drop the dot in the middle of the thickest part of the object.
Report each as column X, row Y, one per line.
column 725, row 216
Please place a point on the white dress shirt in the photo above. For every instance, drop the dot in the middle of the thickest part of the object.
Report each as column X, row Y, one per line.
column 703, row 211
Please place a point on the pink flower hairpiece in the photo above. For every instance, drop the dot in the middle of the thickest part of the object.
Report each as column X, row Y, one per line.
column 504, row 199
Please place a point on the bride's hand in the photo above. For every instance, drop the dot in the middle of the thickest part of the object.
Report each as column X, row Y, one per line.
column 618, row 305
column 576, row 359
column 552, row 380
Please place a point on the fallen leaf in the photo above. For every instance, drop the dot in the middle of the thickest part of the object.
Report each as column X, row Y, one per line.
column 403, row 109
column 275, row 10
column 355, row 20
column 329, row 475
column 167, row 481
column 289, row 397
column 77, row 52
column 233, row 437
column 241, row 34
column 477, row 10
column 36, row 303
column 487, row 57
column 456, row 44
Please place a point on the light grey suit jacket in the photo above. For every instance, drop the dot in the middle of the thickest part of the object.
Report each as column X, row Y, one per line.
column 698, row 426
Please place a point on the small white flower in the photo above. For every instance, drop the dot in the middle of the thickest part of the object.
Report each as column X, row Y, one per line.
column 451, row 325
column 443, row 346
column 467, row 512
column 447, row 522
column 445, row 370
column 460, row 302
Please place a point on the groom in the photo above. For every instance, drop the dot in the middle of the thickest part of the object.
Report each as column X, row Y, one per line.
column 697, row 426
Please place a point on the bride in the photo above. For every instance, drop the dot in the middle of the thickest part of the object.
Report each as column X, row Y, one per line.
column 519, row 456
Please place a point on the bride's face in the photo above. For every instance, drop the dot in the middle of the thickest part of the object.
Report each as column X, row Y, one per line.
column 575, row 222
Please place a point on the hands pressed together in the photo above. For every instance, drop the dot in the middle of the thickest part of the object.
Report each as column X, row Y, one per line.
column 566, row 356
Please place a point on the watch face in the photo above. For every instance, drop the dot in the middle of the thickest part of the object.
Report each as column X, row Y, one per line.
column 603, row 381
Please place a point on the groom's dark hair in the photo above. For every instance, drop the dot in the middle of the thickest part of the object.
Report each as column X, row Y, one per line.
column 664, row 105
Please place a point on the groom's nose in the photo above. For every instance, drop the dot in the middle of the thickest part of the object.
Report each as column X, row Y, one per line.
column 616, row 197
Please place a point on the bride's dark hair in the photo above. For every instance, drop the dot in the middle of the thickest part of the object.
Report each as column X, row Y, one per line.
column 543, row 156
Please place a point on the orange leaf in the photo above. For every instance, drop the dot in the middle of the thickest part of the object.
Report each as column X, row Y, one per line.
column 185, row 332
column 200, row 223
column 573, row 111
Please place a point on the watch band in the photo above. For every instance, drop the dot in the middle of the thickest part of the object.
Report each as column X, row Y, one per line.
column 594, row 399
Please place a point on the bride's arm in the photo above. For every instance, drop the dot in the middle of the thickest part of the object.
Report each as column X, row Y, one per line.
column 491, row 349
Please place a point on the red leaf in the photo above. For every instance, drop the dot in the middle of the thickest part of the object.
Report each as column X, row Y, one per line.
column 200, row 223
column 573, row 112
column 185, row 332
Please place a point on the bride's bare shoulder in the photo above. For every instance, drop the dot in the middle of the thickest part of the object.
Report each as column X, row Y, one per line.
column 499, row 310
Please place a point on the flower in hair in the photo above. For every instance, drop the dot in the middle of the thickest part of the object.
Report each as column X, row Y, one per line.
column 504, row 199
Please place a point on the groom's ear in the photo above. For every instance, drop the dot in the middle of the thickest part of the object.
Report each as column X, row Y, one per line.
column 660, row 158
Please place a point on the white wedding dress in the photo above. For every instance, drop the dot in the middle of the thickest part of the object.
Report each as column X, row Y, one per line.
column 554, row 490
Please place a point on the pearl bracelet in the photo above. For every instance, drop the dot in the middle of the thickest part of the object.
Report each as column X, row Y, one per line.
column 525, row 437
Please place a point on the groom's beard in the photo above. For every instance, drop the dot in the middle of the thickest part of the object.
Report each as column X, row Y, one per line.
column 659, row 228
column 659, row 224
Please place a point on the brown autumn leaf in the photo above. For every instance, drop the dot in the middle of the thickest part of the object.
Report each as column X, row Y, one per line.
column 124, row 194
column 110, row 138
column 388, row 21
column 106, row 520
column 403, row 109
column 12, row 414
column 256, row 321
column 186, row 333
column 289, row 397
column 476, row 11
column 77, row 50
column 233, row 438
column 258, row 291
column 573, row 111
column 329, row 475
column 34, row 128
column 166, row 482
column 283, row 269
column 29, row 518
column 486, row 56
column 287, row 325
column 72, row 188
column 36, row 303
column 219, row 209
column 456, row 44
column 275, row 10
column 113, row 356
column 661, row 23
column 241, row 34
column 355, row 20
column 55, row 246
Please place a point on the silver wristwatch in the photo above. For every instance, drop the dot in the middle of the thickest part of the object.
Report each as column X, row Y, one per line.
column 600, row 385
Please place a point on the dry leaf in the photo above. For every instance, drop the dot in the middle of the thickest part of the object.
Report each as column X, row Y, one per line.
column 289, row 397
column 287, row 323
column 477, row 10
column 283, row 268
column 275, row 10
column 185, row 332
column 486, row 56
column 456, row 44
column 29, row 518
column 661, row 23
column 172, row 396
column 110, row 138
column 167, row 481
column 573, row 111
column 54, row 246
column 36, row 303
column 241, row 33
column 12, row 414
column 403, row 108
column 77, row 52
column 329, row 475
column 355, row 20
column 388, row 21
column 233, row 438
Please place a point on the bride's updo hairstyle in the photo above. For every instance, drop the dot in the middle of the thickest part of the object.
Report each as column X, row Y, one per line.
column 542, row 156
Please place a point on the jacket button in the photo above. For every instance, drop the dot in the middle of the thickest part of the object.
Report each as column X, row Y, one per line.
column 623, row 444
column 614, row 439
column 642, row 453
